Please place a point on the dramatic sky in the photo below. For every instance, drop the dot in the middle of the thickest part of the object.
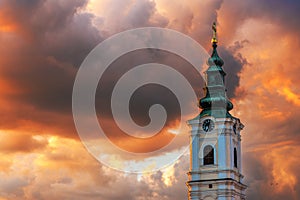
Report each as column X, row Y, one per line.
column 43, row 43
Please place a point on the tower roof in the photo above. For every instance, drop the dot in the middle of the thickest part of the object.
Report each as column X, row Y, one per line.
column 215, row 103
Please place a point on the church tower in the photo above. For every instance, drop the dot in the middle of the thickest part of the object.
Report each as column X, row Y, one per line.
column 215, row 146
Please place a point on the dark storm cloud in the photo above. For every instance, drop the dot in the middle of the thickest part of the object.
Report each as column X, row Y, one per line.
column 147, row 95
column 233, row 66
column 50, row 41
column 53, row 28
column 71, row 44
column 58, row 37
column 53, row 38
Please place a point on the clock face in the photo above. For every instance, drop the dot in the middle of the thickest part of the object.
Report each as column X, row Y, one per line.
column 208, row 125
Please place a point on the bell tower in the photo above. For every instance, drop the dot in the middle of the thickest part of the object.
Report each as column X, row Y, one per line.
column 215, row 140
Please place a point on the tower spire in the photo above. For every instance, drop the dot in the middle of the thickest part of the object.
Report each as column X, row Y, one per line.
column 215, row 58
column 215, row 103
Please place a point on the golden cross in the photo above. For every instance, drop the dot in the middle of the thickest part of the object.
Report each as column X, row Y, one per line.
column 214, row 28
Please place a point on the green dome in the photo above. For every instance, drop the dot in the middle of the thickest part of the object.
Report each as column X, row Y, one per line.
column 215, row 103
column 215, row 58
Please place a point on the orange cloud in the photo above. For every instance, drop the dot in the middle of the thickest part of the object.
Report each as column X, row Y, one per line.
column 290, row 95
column 279, row 159
column 7, row 25
column 12, row 142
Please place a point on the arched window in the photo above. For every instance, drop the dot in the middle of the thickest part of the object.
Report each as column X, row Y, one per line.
column 235, row 157
column 208, row 153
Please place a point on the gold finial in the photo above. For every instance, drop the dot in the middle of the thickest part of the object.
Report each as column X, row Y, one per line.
column 214, row 28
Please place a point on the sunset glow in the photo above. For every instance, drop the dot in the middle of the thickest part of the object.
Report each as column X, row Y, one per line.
column 44, row 42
